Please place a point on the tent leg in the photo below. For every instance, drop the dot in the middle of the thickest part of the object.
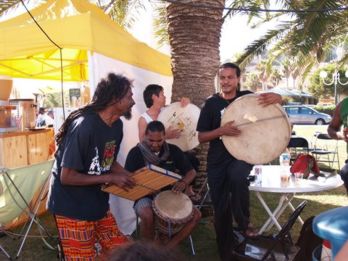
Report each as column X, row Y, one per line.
column 5, row 252
column 33, row 217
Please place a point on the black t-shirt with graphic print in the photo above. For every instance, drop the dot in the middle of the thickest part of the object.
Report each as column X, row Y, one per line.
column 210, row 119
column 177, row 161
column 90, row 147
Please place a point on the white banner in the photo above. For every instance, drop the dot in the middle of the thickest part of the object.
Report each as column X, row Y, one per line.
column 99, row 67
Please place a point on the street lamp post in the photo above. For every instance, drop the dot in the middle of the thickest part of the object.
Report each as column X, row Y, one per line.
column 335, row 80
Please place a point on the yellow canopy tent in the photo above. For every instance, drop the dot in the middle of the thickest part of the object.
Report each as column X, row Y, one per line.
column 77, row 27
column 92, row 45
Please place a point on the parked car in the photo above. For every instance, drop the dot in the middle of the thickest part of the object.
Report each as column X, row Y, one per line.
column 302, row 114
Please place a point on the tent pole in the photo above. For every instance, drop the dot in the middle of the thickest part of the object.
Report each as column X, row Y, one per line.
column 62, row 81
column 92, row 73
column 60, row 50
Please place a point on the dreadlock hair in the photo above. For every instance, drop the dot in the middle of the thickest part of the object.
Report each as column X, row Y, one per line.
column 151, row 89
column 110, row 89
column 232, row 66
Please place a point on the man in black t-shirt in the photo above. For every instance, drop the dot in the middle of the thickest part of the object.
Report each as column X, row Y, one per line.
column 154, row 150
column 88, row 143
column 227, row 176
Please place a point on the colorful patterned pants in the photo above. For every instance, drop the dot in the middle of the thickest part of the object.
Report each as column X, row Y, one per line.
column 78, row 237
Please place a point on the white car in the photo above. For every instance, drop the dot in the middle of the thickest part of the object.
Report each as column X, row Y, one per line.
column 301, row 114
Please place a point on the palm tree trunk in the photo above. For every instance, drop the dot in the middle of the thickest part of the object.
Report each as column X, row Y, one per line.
column 194, row 36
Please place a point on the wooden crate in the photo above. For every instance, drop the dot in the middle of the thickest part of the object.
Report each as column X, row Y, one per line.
column 38, row 147
column 13, row 151
column 18, row 149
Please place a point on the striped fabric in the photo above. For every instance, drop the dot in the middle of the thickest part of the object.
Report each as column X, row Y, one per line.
column 78, row 237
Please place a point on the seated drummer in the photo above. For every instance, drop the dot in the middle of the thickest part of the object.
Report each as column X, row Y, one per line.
column 154, row 150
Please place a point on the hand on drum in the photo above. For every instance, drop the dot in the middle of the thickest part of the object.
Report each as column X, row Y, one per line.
column 269, row 98
column 229, row 129
column 184, row 101
column 179, row 186
column 172, row 133
column 345, row 134
column 122, row 180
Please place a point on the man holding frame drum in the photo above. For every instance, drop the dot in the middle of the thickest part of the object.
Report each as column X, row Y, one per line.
column 155, row 100
column 227, row 176
column 154, row 150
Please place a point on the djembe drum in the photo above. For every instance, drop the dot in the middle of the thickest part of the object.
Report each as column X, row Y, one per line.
column 265, row 130
column 173, row 211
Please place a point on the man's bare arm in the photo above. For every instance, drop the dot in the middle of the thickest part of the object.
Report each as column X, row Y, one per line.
column 335, row 125
column 229, row 129
column 118, row 176
column 182, row 184
column 269, row 98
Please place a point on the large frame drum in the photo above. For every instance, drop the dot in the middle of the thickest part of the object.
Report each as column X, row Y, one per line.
column 265, row 130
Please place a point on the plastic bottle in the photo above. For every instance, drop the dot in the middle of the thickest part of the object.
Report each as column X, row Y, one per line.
column 284, row 159
column 258, row 174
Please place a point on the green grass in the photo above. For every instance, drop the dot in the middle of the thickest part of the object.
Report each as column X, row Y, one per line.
column 204, row 236
column 34, row 248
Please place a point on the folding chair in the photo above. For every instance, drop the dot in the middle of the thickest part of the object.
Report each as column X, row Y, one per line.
column 24, row 190
column 5, row 252
column 326, row 150
column 263, row 247
column 203, row 198
column 200, row 199
column 297, row 145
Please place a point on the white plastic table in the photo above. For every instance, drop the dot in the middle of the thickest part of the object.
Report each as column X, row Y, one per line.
column 271, row 182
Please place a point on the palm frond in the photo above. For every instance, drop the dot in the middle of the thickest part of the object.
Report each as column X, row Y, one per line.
column 124, row 12
column 233, row 5
column 306, row 70
column 11, row 5
column 308, row 37
column 161, row 25
column 5, row 6
column 258, row 46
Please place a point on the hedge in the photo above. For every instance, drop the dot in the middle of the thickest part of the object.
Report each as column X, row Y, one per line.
column 326, row 109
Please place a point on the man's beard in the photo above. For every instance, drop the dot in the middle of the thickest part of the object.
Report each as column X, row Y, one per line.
column 128, row 114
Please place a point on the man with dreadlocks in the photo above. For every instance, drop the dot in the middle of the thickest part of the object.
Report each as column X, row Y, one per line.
column 154, row 150
column 88, row 143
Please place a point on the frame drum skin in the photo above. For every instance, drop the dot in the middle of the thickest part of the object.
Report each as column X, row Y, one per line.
column 185, row 119
column 265, row 131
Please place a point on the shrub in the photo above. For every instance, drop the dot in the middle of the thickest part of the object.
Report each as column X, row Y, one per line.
column 326, row 109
